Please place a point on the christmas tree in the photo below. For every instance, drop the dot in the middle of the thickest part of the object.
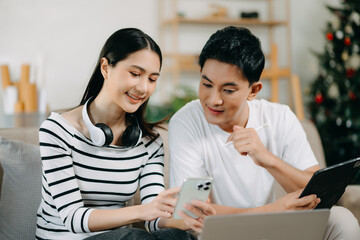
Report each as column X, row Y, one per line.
column 335, row 93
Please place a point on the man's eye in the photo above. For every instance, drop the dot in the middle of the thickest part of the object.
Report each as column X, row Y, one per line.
column 229, row 91
column 152, row 79
column 207, row 85
column 135, row 74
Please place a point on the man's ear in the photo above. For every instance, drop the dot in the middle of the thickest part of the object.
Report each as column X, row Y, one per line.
column 254, row 90
column 104, row 67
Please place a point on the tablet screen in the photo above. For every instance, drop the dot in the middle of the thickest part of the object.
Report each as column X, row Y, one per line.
column 330, row 183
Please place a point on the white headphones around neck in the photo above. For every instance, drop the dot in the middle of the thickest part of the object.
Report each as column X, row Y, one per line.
column 102, row 136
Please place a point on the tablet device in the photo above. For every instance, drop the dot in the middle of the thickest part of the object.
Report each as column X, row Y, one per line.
column 329, row 183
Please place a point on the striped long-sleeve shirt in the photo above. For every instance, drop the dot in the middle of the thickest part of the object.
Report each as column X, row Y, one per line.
column 78, row 177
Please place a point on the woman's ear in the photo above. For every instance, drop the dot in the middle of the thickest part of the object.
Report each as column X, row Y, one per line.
column 104, row 67
column 255, row 88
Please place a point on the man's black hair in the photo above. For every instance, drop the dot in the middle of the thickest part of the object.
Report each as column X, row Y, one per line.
column 237, row 46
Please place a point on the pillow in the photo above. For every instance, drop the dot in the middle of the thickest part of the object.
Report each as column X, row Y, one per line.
column 21, row 189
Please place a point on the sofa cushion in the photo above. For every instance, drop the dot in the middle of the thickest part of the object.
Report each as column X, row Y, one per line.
column 20, row 192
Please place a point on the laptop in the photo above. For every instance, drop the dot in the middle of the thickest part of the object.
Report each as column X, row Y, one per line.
column 295, row 225
column 330, row 183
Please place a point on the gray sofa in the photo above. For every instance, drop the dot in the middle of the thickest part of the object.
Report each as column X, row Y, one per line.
column 20, row 173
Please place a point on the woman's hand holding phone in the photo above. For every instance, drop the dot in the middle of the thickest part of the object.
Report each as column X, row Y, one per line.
column 162, row 206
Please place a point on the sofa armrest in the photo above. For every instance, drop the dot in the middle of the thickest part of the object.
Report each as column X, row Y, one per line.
column 27, row 135
column 351, row 200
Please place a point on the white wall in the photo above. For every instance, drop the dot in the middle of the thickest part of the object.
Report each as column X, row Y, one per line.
column 308, row 23
column 70, row 34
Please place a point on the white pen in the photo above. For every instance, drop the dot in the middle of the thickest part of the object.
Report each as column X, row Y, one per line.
column 256, row 129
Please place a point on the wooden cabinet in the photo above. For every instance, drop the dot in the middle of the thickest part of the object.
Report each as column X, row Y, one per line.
column 274, row 14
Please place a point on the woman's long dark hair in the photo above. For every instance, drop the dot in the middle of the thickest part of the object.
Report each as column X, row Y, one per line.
column 118, row 47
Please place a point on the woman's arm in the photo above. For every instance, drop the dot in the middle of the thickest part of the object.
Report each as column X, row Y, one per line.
column 162, row 206
column 61, row 190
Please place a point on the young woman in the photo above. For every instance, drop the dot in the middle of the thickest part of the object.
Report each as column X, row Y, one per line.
column 95, row 156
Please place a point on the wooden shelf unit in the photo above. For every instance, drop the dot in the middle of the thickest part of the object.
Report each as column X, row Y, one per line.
column 181, row 62
column 226, row 21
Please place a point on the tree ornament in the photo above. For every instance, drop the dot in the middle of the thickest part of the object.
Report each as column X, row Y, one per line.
column 330, row 36
column 332, row 63
column 348, row 123
column 356, row 48
column 329, row 79
column 354, row 61
column 352, row 95
column 319, row 98
column 347, row 41
column 338, row 121
column 333, row 91
column 350, row 72
column 345, row 56
column 355, row 17
column 339, row 34
column 349, row 30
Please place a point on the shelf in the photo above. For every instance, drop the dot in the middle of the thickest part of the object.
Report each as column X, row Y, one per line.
column 226, row 21
column 172, row 25
column 185, row 62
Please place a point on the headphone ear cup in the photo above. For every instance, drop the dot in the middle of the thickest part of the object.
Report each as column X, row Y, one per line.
column 131, row 136
column 109, row 137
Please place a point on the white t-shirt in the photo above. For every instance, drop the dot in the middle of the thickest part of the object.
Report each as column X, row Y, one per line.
column 197, row 149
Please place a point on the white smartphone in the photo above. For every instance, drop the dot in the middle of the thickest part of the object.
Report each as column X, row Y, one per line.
column 192, row 189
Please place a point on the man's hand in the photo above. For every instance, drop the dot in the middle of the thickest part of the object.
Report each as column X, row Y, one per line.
column 247, row 142
column 292, row 202
column 201, row 210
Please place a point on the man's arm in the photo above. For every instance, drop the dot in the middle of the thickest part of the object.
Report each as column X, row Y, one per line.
column 289, row 202
column 289, row 177
column 295, row 163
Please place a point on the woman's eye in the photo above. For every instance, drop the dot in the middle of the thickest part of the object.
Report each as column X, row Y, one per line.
column 207, row 85
column 135, row 74
column 152, row 79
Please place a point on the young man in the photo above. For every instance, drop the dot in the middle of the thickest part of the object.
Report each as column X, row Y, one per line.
column 244, row 171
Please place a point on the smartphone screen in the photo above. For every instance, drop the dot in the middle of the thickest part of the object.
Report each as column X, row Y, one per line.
column 192, row 189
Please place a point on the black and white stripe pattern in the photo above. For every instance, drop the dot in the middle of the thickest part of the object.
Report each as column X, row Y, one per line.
column 78, row 177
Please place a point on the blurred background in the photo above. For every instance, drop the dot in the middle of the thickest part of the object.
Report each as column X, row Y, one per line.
column 48, row 50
